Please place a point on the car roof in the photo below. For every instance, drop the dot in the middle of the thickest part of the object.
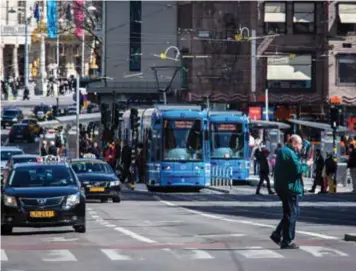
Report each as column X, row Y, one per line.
column 90, row 160
column 38, row 165
column 25, row 156
column 10, row 148
column 20, row 124
column 11, row 109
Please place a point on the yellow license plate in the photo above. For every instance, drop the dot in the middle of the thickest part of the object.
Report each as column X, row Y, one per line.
column 42, row 214
column 96, row 189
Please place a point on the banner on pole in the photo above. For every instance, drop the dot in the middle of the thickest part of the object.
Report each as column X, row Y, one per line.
column 79, row 17
column 52, row 27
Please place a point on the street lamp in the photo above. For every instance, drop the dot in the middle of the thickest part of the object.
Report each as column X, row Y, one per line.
column 27, row 20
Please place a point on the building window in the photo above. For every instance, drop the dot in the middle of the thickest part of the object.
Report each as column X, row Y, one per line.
column 346, row 19
column 275, row 18
column 284, row 72
column 346, row 69
column 21, row 10
column 303, row 18
column 135, row 35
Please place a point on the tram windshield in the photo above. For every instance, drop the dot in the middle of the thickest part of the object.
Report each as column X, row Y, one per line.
column 182, row 140
column 227, row 141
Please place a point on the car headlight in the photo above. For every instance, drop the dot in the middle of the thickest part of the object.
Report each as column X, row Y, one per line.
column 10, row 201
column 14, row 119
column 115, row 183
column 72, row 200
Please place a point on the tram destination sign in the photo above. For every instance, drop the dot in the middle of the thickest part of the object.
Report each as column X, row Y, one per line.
column 226, row 127
column 182, row 124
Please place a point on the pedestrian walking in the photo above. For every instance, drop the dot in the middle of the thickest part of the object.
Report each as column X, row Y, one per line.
column 318, row 178
column 289, row 187
column 263, row 171
column 351, row 164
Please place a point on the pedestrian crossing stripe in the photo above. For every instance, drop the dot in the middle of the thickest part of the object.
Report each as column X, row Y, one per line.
column 252, row 253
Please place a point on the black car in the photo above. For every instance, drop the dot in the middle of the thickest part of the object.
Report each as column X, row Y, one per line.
column 11, row 116
column 21, row 132
column 42, row 195
column 98, row 179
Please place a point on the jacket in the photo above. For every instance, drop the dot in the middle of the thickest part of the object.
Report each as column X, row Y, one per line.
column 288, row 172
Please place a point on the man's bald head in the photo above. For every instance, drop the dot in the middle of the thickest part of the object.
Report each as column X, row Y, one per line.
column 296, row 142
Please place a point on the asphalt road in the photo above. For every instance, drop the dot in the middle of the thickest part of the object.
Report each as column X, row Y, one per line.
column 200, row 231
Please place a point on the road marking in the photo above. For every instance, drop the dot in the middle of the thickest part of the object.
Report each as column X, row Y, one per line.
column 95, row 216
column 194, row 254
column 318, row 251
column 60, row 239
column 59, row 255
column 135, row 235
column 221, row 235
column 110, row 225
column 3, row 256
column 103, row 222
column 114, row 255
column 89, row 209
column 259, row 253
column 247, row 222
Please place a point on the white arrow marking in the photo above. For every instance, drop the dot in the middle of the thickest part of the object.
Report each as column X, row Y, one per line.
column 317, row 251
column 59, row 255
column 3, row 256
column 259, row 253
column 114, row 255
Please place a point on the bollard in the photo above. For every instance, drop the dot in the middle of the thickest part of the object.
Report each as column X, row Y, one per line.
column 226, row 177
column 219, row 176
column 213, row 176
column 231, row 176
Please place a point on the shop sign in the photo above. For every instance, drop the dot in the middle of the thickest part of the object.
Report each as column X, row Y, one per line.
column 254, row 113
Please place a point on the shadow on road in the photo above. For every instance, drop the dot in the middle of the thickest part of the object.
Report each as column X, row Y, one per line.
column 38, row 232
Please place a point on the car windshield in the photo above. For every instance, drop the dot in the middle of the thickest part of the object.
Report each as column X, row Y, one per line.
column 6, row 155
column 86, row 167
column 182, row 140
column 24, row 160
column 10, row 113
column 51, row 175
column 227, row 140
column 19, row 128
column 29, row 121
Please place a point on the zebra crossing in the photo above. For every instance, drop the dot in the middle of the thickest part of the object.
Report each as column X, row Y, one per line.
column 102, row 254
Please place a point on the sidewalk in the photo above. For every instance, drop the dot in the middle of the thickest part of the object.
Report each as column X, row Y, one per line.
column 254, row 180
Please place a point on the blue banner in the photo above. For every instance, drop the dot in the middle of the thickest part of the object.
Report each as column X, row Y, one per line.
column 52, row 19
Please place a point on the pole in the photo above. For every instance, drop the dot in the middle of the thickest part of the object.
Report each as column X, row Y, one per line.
column 266, row 100
column 57, row 55
column 253, row 62
column 83, row 53
column 164, row 97
column 103, row 43
column 77, row 113
column 26, row 49
column 333, row 190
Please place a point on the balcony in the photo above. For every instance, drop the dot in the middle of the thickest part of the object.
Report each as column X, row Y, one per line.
column 12, row 30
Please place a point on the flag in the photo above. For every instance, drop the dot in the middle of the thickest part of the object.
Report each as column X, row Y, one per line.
column 69, row 13
column 36, row 12
column 79, row 18
column 52, row 27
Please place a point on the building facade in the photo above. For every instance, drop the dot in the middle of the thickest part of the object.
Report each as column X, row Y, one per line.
column 12, row 41
column 136, row 33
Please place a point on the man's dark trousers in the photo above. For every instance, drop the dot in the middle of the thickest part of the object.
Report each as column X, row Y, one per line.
column 290, row 204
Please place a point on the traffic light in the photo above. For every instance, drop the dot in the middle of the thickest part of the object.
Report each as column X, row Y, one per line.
column 335, row 117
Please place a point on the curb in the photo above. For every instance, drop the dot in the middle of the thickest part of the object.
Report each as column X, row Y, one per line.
column 226, row 191
column 350, row 237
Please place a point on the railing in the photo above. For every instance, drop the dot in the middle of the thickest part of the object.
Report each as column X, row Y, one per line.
column 221, row 176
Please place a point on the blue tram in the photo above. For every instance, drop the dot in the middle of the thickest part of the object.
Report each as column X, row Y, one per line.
column 229, row 142
column 176, row 147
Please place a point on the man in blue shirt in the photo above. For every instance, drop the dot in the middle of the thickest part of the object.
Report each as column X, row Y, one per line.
column 289, row 187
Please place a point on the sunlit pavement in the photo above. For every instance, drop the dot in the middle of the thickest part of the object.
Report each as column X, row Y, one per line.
column 198, row 231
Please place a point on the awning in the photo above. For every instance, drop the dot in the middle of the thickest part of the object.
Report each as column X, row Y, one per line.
column 49, row 124
column 264, row 124
column 318, row 125
column 84, row 118
column 275, row 12
column 347, row 13
column 303, row 12
column 285, row 68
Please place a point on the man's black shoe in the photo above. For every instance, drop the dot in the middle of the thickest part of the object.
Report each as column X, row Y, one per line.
column 289, row 246
column 275, row 238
